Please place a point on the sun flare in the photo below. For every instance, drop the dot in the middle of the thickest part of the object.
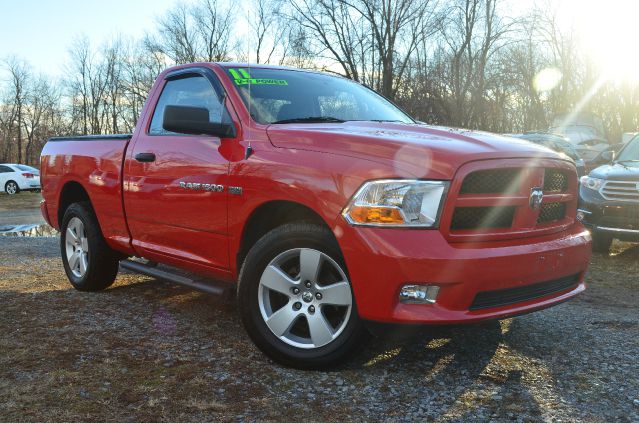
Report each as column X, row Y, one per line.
column 608, row 33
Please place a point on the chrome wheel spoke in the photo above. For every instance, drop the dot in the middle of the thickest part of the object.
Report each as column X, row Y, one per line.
column 74, row 259
column 71, row 235
column 321, row 332
column 274, row 278
column 310, row 263
column 85, row 244
column 83, row 263
column 336, row 294
column 282, row 320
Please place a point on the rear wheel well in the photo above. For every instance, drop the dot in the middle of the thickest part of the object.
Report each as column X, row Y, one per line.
column 270, row 216
column 71, row 193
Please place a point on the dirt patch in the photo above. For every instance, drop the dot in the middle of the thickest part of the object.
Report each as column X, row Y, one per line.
column 145, row 350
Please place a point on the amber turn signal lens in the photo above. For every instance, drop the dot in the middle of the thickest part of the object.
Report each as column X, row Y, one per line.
column 373, row 214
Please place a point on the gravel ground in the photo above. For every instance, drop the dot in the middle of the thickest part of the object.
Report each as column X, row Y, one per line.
column 146, row 350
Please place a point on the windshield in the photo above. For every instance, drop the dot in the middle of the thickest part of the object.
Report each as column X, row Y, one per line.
column 576, row 134
column 289, row 96
column 631, row 152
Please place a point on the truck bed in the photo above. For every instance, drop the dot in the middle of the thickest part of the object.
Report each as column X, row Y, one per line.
column 94, row 162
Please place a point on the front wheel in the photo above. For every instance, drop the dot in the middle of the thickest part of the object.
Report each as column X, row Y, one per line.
column 88, row 261
column 11, row 188
column 296, row 300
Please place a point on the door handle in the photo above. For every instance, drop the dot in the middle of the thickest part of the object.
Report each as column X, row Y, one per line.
column 145, row 157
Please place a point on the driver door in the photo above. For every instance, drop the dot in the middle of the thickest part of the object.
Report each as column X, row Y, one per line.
column 171, row 208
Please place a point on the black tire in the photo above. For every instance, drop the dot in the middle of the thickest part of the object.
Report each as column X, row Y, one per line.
column 601, row 242
column 11, row 188
column 102, row 261
column 273, row 244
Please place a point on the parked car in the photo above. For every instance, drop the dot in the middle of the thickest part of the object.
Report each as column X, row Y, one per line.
column 587, row 138
column 609, row 199
column 627, row 136
column 557, row 143
column 17, row 177
column 331, row 208
column 603, row 157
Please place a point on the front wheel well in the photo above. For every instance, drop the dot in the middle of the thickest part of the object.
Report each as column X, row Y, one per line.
column 269, row 216
column 72, row 192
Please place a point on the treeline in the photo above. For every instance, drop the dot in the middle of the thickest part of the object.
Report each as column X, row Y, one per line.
column 466, row 63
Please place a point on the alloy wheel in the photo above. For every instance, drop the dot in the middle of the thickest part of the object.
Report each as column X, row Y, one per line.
column 305, row 298
column 77, row 247
column 11, row 188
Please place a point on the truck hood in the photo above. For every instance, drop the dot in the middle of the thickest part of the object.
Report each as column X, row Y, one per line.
column 412, row 150
column 617, row 172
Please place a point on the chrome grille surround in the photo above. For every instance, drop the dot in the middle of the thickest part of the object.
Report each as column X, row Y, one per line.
column 626, row 191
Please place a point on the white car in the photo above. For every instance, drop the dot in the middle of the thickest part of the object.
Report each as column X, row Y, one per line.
column 16, row 177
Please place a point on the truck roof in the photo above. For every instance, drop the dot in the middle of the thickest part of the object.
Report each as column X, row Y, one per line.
column 227, row 65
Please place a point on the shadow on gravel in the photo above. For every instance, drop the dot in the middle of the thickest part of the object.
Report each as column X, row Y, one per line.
column 471, row 347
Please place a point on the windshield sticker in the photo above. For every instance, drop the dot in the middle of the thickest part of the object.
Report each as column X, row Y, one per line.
column 242, row 77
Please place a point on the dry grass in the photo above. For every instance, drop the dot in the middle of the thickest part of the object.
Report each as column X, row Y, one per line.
column 149, row 351
column 23, row 200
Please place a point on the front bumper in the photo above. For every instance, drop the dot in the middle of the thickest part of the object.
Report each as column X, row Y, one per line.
column 45, row 212
column 617, row 219
column 380, row 261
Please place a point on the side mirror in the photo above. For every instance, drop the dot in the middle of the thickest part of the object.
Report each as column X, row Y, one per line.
column 194, row 121
column 607, row 155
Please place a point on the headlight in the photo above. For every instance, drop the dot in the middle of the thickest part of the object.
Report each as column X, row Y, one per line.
column 591, row 183
column 397, row 203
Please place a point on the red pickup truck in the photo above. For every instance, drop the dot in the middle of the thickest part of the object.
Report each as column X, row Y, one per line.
column 329, row 206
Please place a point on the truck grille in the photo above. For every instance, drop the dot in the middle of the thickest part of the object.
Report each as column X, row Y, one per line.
column 621, row 191
column 492, row 181
column 551, row 212
column 498, row 201
column 482, row 217
column 503, row 297
column 555, row 181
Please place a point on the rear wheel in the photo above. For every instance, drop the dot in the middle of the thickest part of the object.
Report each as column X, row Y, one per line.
column 11, row 188
column 601, row 242
column 88, row 261
column 296, row 300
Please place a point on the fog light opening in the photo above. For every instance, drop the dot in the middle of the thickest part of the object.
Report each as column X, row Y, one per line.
column 418, row 294
column 582, row 214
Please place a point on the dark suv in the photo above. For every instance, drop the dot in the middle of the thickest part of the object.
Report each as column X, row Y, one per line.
column 609, row 199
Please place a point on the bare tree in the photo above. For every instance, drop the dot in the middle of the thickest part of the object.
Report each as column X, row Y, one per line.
column 194, row 33
column 19, row 76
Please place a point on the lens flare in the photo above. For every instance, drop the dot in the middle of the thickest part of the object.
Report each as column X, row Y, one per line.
column 547, row 79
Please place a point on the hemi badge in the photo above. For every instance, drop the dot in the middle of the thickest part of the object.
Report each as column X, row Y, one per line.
column 235, row 190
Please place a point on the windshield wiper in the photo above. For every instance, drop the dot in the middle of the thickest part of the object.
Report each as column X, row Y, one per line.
column 311, row 119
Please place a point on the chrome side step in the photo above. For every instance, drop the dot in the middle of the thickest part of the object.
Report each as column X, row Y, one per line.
column 210, row 287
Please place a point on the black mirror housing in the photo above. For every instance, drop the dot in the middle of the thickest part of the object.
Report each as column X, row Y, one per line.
column 194, row 121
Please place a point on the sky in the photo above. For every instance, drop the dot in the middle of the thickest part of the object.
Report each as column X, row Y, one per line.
column 41, row 31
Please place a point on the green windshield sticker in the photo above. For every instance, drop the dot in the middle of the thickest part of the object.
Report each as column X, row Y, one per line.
column 242, row 77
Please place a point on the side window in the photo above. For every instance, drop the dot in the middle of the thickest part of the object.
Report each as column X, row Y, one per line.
column 194, row 91
column 5, row 169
